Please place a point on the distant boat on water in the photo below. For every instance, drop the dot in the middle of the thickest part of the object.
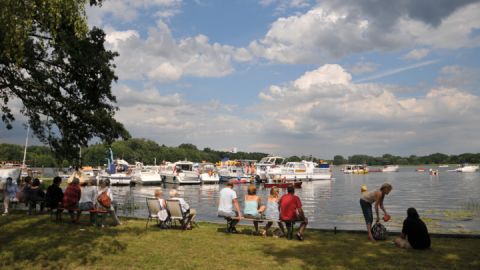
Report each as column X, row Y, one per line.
column 467, row 168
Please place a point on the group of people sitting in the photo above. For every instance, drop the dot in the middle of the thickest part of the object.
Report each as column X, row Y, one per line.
column 30, row 193
column 287, row 208
column 163, row 216
column 75, row 199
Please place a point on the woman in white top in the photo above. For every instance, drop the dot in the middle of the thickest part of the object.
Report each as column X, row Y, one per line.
column 104, row 186
column 366, row 201
column 87, row 198
column 162, row 214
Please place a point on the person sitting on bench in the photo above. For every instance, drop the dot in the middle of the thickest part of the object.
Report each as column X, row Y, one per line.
column 54, row 197
column 272, row 212
column 291, row 211
column 253, row 206
column 228, row 199
column 35, row 196
column 71, row 197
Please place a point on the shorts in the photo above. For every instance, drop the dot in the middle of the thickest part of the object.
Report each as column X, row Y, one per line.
column 84, row 206
column 227, row 214
column 367, row 211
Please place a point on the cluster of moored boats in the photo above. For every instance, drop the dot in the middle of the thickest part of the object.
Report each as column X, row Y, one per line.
column 271, row 169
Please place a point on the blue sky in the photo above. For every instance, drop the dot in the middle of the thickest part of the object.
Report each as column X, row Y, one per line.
column 297, row 77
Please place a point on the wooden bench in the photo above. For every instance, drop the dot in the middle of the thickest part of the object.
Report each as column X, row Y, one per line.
column 288, row 224
column 95, row 212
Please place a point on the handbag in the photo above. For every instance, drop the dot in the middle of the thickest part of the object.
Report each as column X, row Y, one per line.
column 104, row 200
column 379, row 231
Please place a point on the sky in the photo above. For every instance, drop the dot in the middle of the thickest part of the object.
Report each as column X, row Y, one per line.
column 298, row 77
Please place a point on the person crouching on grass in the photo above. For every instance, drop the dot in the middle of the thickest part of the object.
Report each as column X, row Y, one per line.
column 414, row 232
column 376, row 197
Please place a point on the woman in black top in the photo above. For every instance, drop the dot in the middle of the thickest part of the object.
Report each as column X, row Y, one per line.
column 414, row 232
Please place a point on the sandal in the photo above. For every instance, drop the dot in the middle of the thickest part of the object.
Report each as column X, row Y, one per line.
column 264, row 233
column 299, row 236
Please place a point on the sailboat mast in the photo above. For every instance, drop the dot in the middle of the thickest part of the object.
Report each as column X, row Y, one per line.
column 25, row 150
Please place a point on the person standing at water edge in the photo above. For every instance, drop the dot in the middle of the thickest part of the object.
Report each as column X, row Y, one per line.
column 376, row 197
column 228, row 199
column 414, row 232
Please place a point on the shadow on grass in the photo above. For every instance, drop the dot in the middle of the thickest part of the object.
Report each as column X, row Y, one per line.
column 29, row 239
column 326, row 250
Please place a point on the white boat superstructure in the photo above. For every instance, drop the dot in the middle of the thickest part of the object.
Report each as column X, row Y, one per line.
column 304, row 170
column 236, row 169
column 146, row 175
column 208, row 173
column 180, row 172
column 6, row 172
column 467, row 168
column 270, row 164
column 390, row 168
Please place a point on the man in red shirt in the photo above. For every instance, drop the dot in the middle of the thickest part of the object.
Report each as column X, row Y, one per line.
column 71, row 196
column 291, row 211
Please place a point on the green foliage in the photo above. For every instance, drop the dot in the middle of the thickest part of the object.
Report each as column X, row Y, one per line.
column 60, row 71
column 339, row 160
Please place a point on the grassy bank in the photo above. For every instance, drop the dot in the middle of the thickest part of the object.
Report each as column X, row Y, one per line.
column 32, row 242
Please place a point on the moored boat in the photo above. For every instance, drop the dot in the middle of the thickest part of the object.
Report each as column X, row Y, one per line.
column 467, row 168
column 304, row 170
column 180, row 172
column 283, row 185
column 355, row 169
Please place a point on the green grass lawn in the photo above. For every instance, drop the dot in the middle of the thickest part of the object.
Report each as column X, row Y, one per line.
column 33, row 242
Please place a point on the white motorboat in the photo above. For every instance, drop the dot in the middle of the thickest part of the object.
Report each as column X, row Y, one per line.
column 270, row 164
column 355, row 169
column 304, row 170
column 467, row 168
column 180, row 172
column 390, row 168
column 208, row 173
column 147, row 175
column 119, row 173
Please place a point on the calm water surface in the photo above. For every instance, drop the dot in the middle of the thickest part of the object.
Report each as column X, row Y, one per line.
column 449, row 202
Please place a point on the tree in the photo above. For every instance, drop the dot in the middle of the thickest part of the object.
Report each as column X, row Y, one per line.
column 60, row 71
column 339, row 160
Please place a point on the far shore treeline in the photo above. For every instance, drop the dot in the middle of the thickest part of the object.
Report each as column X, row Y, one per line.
column 149, row 152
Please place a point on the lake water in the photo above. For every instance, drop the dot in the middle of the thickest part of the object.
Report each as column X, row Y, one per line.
column 449, row 202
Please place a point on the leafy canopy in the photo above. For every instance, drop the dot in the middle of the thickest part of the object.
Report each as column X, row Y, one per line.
column 60, row 71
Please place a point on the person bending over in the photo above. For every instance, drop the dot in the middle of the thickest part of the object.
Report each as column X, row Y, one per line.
column 376, row 197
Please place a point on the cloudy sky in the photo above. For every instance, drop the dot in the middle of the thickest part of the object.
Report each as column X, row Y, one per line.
column 298, row 77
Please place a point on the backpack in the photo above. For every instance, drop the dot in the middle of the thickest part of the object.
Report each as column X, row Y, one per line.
column 104, row 200
column 379, row 231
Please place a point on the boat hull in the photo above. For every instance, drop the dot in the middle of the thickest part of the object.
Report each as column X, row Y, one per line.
column 282, row 185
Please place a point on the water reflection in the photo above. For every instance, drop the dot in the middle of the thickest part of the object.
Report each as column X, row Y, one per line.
column 440, row 199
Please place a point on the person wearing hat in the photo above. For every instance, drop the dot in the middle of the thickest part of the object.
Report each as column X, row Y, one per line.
column 366, row 201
